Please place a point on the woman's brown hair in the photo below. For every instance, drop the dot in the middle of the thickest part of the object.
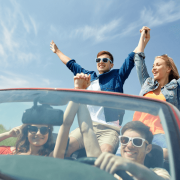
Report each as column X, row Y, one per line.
column 22, row 144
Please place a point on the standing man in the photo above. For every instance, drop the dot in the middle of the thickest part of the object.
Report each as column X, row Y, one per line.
column 106, row 121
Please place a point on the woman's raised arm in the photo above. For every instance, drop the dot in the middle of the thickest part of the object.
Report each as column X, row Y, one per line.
column 144, row 39
column 12, row 133
column 63, row 134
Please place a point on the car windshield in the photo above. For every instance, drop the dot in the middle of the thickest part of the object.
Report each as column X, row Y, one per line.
column 42, row 112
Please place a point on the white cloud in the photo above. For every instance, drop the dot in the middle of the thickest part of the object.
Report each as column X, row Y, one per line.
column 26, row 24
column 1, row 50
column 161, row 14
column 15, row 27
column 46, row 81
column 26, row 57
column 165, row 12
column 7, row 39
column 99, row 33
column 34, row 24
column 14, row 80
column 157, row 14
column 53, row 29
column 9, row 82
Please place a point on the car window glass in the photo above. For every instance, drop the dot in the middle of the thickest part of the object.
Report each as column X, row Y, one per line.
column 123, row 110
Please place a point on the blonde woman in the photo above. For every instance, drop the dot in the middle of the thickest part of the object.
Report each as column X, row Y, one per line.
column 165, row 85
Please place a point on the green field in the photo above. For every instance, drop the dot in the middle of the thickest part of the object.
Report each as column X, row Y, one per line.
column 9, row 141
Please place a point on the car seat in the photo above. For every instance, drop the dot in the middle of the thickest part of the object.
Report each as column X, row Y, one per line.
column 155, row 157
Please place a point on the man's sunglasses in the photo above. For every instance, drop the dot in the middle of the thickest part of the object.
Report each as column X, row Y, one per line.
column 34, row 129
column 136, row 141
column 105, row 60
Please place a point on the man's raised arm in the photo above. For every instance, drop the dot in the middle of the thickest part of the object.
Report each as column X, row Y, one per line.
column 61, row 56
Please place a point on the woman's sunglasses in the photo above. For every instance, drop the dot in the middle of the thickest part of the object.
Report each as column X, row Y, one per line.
column 136, row 141
column 34, row 129
column 105, row 60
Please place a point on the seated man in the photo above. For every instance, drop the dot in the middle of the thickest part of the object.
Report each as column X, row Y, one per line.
column 136, row 142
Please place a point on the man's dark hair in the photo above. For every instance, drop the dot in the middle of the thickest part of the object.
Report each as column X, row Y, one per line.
column 106, row 52
column 139, row 127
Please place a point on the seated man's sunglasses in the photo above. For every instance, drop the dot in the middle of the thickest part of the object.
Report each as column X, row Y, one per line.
column 34, row 129
column 136, row 141
column 105, row 60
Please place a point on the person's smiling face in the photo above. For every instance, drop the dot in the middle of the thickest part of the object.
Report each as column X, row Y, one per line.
column 131, row 152
column 103, row 67
column 37, row 139
column 160, row 69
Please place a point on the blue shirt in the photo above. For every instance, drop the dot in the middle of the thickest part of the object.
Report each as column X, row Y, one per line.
column 171, row 91
column 110, row 81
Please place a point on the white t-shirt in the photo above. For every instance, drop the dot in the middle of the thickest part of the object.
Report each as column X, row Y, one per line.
column 97, row 112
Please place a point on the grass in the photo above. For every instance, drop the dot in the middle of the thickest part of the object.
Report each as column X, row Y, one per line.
column 7, row 142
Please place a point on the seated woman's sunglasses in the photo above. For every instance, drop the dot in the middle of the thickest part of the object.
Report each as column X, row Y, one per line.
column 34, row 129
column 136, row 141
column 105, row 60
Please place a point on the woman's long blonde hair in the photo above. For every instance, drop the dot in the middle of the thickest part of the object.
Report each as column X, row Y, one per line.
column 169, row 62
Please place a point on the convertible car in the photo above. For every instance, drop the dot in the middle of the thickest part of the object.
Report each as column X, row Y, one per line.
column 16, row 109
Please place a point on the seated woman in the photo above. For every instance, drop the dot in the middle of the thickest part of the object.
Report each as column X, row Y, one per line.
column 37, row 139
column 164, row 86
column 31, row 140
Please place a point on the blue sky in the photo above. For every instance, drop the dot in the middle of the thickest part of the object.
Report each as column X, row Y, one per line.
column 80, row 29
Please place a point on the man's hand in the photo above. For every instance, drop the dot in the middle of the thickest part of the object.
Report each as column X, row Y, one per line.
column 145, row 29
column 111, row 163
column 15, row 131
column 81, row 81
column 53, row 47
column 61, row 56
